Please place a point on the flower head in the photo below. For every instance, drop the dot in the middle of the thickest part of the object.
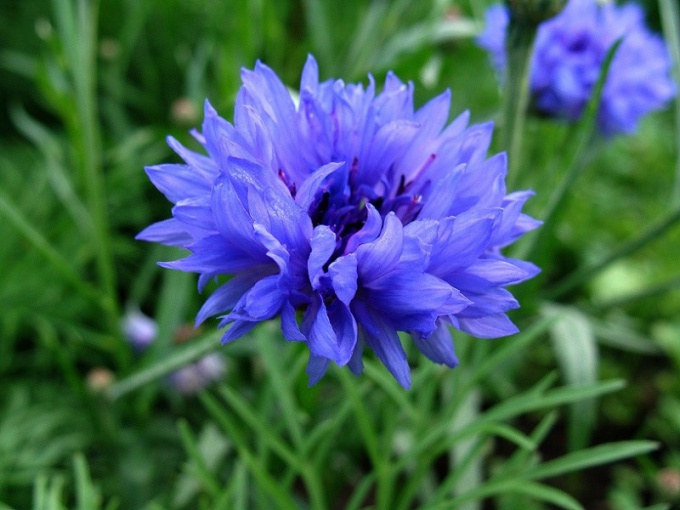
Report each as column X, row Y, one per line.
column 352, row 216
column 568, row 55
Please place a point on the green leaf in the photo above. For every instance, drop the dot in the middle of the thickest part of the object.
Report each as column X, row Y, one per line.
column 361, row 490
column 176, row 359
column 566, row 395
column 670, row 21
column 650, row 234
column 595, row 456
column 280, row 383
column 548, row 494
column 86, row 494
column 207, row 479
column 265, row 481
column 577, row 354
column 511, row 347
column 578, row 148
column 259, row 424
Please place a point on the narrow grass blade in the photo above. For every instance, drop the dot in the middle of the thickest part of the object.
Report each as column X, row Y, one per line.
column 361, row 490
column 548, row 494
column 577, row 151
column 595, row 456
column 209, row 482
column 266, row 482
column 244, row 411
column 281, row 384
column 12, row 213
column 650, row 234
column 86, row 494
column 175, row 360
column 670, row 21
column 578, row 357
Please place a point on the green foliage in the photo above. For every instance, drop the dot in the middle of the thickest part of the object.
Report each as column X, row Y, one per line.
column 90, row 88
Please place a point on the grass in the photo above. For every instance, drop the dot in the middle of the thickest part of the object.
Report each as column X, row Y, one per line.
column 88, row 97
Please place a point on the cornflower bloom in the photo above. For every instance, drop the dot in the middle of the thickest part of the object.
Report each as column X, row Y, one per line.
column 568, row 55
column 351, row 215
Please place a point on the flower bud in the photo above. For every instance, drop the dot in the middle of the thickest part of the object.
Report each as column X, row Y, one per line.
column 533, row 12
column 139, row 329
column 99, row 379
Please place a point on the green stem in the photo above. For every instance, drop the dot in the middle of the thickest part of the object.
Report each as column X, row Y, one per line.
column 519, row 46
column 580, row 143
column 85, row 85
column 648, row 292
column 78, row 31
column 369, row 434
column 197, row 349
column 670, row 18
column 654, row 231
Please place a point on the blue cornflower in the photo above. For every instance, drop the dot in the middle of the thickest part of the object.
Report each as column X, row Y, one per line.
column 568, row 55
column 352, row 216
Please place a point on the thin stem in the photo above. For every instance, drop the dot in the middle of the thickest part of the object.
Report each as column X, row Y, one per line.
column 654, row 231
column 84, row 74
column 648, row 292
column 670, row 19
column 519, row 46
column 197, row 349
column 580, row 145
column 369, row 434
column 77, row 21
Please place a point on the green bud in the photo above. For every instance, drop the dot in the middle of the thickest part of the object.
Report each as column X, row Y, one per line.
column 533, row 12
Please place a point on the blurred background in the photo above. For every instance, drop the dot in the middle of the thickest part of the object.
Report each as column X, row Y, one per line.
column 89, row 91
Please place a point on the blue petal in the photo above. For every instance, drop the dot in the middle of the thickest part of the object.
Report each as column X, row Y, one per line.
column 384, row 341
column 433, row 115
column 178, row 182
column 331, row 332
column 316, row 368
column 356, row 362
column 492, row 301
column 491, row 326
column 408, row 292
column 214, row 255
column 438, row 347
column 310, row 75
column 343, row 273
column 169, row 232
column 221, row 139
column 265, row 298
column 380, row 256
column 289, row 326
column 197, row 213
column 237, row 330
column 368, row 233
column 389, row 144
column 227, row 295
column 323, row 246
column 461, row 241
column 200, row 163
column 489, row 272
column 314, row 184
column 345, row 328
